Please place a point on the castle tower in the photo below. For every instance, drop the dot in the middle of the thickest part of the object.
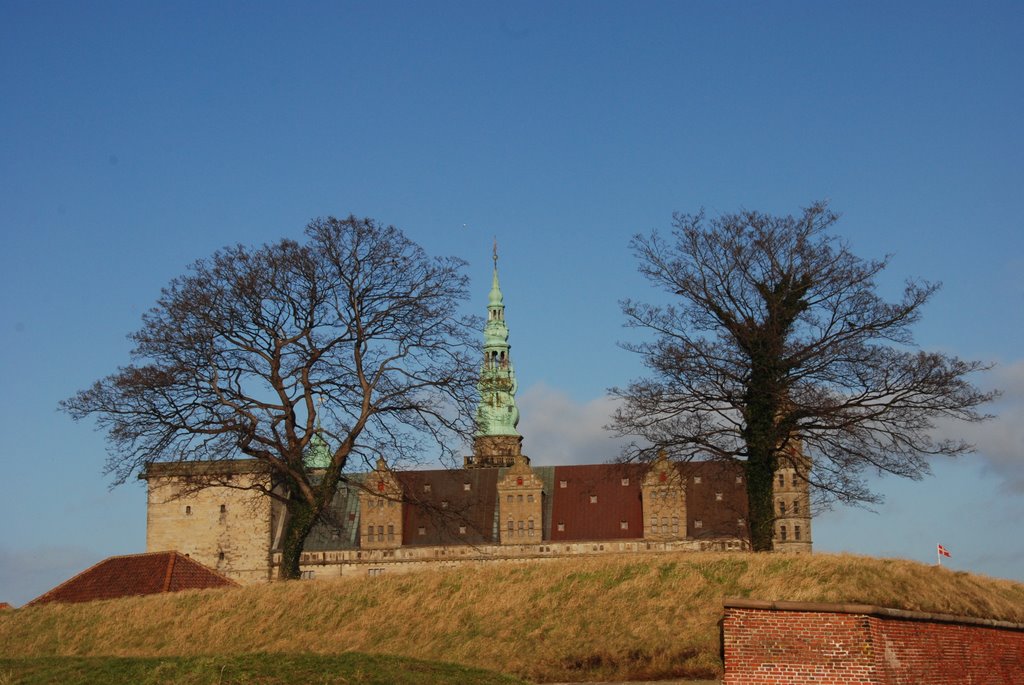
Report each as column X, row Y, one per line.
column 496, row 443
column 792, row 502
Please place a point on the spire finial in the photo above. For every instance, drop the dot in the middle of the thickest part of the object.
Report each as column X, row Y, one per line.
column 495, row 252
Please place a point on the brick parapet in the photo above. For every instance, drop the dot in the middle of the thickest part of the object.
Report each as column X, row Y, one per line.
column 799, row 642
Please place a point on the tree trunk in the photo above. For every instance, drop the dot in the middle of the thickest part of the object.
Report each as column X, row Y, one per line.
column 760, row 503
column 300, row 518
column 760, row 435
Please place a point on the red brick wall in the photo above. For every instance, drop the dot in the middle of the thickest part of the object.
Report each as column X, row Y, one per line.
column 789, row 642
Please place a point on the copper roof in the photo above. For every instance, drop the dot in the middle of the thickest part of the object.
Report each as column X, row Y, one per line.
column 449, row 507
column 718, row 501
column 135, row 574
column 598, row 502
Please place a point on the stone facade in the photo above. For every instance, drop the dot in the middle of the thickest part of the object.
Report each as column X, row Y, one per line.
column 664, row 501
column 792, row 504
column 227, row 527
column 520, row 505
column 380, row 507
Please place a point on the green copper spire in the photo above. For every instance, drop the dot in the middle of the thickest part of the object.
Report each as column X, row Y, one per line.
column 318, row 454
column 497, row 413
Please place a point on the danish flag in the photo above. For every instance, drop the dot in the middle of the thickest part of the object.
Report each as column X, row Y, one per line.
column 943, row 552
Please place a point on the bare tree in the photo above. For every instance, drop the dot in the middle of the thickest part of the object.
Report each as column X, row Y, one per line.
column 352, row 335
column 780, row 346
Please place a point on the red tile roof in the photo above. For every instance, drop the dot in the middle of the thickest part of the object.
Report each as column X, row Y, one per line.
column 135, row 574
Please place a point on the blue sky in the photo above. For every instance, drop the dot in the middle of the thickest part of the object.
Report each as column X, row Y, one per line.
column 138, row 137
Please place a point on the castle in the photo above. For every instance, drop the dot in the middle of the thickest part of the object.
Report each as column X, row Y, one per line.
column 498, row 507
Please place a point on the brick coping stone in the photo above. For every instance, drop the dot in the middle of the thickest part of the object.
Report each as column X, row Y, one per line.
column 868, row 610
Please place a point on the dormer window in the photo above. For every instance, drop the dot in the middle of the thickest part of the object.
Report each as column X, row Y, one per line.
column 519, row 480
column 426, row 487
column 563, row 483
column 625, row 481
column 593, row 499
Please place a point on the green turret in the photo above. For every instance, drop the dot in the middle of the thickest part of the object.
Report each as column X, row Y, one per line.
column 497, row 442
column 318, row 454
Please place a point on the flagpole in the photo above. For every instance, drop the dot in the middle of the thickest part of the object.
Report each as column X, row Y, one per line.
column 938, row 555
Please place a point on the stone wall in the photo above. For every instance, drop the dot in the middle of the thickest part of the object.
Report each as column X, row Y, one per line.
column 224, row 528
column 331, row 564
column 794, row 642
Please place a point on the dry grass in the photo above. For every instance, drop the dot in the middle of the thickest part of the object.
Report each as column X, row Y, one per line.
column 612, row 617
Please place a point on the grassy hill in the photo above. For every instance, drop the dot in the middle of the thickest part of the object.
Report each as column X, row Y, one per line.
column 613, row 617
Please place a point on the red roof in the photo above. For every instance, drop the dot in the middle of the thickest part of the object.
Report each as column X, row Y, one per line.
column 135, row 574
column 598, row 502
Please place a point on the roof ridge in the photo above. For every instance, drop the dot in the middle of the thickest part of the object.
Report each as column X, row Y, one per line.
column 170, row 571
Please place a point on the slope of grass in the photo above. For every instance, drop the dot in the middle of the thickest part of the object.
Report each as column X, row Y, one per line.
column 264, row 669
column 640, row 616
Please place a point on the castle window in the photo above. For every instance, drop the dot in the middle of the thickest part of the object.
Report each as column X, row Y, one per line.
column 796, row 532
column 391, row 533
column 782, row 481
column 739, row 479
column 698, row 524
column 623, row 525
column 520, row 525
column 718, row 497
column 563, row 484
column 380, row 533
column 220, row 556
column 466, row 486
column 593, row 499
column 529, row 526
column 509, row 499
column 561, row 527
column 793, row 479
column 519, row 480
column 782, row 533
column 188, row 510
column 654, row 523
column 462, row 530
column 782, row 508
column 796, row 506
column 696, row 479
column 380, row 486
column 625, row 481
column 426, row 487
column 421, row 530
column 529, row 498
column 369, row 533
column 511, row 525
column 519, row 498
column 664, row 526
column 223, row 508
